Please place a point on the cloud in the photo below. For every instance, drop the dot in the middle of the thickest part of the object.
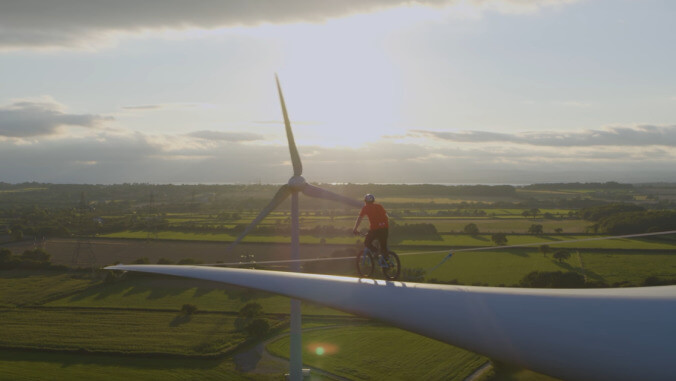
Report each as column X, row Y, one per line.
column 164, row 106
column 645, row 135
column 226, row 136
column 137, row 157
column 143, row 107
column 81, row 23
column 29, row 118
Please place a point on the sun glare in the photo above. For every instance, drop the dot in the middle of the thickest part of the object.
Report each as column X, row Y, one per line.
column 341, row 78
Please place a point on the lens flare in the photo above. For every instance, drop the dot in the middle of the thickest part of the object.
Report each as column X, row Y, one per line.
column 321, row 349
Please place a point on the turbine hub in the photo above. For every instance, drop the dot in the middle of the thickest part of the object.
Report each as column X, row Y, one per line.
column 297, row 183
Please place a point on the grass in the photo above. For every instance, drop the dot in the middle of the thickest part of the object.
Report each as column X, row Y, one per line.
column 484, row 240
column 508, row 267
column 444, row 240
column 25, row 365
column 374, row 352
column 21, row 288
column 118, row 331
column 631, row 267
column 156, row 292
column 492, row 268
column 503, row 225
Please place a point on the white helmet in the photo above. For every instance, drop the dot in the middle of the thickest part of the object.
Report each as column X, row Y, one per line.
column 369, row 198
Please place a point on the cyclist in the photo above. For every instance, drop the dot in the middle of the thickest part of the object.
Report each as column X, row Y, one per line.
column 378, row 229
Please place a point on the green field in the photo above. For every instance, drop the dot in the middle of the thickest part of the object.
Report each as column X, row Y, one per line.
column 156, row 292
column 507, row 267
column 118, row 331
column 20, row 288
column 28, row 365
column 444, row 241
column 374, row 352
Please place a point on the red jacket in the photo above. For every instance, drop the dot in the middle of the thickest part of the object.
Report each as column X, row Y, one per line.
column 376, row 214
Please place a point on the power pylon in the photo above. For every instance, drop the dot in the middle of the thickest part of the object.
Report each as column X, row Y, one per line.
column 83, row 253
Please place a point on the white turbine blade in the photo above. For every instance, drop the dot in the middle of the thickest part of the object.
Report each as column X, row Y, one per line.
column 295, row 157
column 313, row 191
column 280, row 196
column 573, row 334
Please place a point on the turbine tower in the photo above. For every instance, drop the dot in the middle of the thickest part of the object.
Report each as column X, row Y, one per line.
column 295, row 185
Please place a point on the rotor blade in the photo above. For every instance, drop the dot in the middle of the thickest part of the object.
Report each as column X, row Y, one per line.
column 570, row 334
column 280, row 196
column 295, row 157
column 313, row 191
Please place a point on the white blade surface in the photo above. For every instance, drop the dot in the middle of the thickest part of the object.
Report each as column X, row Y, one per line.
column 295, row 157
column 313, row 191
column 279, row 197
column 581, row 334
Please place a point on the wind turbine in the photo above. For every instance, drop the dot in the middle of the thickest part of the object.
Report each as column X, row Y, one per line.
column 295, row 185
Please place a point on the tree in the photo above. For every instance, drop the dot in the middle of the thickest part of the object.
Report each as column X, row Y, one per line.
column 471, row 229
column 555, row 279
column 258, row 327
column 37, row 254
column 17, row 234
column 525, row 213
column 251, row 310
column 561, row 255
column 558, row 230
column 499, row 239
column 189, row 309
column 141, row 261
column 535, row 229
column 189, row 261
column 5, row 255
column 534, row 212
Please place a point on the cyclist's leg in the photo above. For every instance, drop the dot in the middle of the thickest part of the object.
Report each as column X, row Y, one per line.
column 381, row 236
column 368, row 241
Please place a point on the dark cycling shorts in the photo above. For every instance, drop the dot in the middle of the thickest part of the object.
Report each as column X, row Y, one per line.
column 378, row 234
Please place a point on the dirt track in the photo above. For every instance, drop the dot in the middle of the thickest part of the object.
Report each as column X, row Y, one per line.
column 100, row 252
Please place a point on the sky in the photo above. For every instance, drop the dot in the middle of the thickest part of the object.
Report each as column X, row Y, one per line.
column 429, row 91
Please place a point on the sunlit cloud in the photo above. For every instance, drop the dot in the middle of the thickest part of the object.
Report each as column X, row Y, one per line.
column 226, row 136
column 644, row 135
column 143, row 107
column 137, row 157
column 167, row 106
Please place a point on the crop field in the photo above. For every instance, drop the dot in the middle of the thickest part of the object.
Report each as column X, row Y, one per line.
column 80, row 324
column 633, row 267
column 374, row 352
column 507, row 267
column 450, row 241
column 28, row 365
column 22, row 288
column 155, row 292
column 501, row 225
column 110, row 251
column 118, row 331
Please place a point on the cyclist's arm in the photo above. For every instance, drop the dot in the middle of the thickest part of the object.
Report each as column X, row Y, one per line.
column 356, row 224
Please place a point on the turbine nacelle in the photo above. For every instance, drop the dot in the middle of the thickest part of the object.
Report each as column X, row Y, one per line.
column 297, row 183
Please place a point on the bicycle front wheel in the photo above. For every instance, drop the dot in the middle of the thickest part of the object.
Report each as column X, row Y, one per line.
column 365, row 264
column 393, row 268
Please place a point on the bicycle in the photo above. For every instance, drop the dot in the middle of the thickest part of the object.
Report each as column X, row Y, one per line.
column 367, row 261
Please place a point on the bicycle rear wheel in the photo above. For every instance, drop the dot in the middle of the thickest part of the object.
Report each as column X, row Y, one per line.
column 365, row 264
column 393, row 268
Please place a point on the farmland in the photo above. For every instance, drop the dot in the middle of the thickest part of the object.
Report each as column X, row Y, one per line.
column 73, row 319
